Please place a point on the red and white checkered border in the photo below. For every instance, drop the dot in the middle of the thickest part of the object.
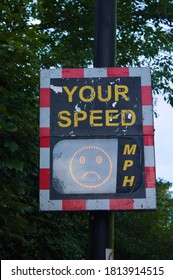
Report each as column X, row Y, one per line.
column 148, row 133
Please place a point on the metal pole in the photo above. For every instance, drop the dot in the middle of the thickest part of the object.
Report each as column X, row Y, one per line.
column 102, row 222
column 105, row 33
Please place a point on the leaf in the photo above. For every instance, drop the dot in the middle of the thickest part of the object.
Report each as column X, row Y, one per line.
column 13, row 147
column 10, row 127
column 15, row 164
column 3, row 109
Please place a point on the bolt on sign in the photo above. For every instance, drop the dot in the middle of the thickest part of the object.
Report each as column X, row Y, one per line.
column 96, row 139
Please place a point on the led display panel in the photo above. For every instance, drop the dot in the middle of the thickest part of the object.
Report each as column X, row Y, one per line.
column 89, row 166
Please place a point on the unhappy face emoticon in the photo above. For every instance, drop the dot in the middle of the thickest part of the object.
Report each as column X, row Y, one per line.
column 85, row 166
column 90, row 166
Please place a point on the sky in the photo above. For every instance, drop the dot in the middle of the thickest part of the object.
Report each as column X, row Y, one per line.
column 164, row 140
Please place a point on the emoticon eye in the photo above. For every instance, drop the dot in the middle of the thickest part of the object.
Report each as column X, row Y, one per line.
column 82, row 160
column 99, row 159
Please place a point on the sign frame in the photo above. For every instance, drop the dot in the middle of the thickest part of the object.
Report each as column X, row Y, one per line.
column 147, row 203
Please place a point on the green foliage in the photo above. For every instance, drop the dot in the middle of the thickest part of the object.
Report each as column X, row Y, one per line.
column 69, row 26
column 147, row 235
column 144, row 37
column 63, row 36
column 19, row 80
column 47, row 236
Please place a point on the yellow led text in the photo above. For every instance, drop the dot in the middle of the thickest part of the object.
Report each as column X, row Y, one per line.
column 128, row 163
column 96, row 118
column 116, row 92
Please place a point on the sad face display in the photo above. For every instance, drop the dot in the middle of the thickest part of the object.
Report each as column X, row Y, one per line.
column 85, row 166
column 91, row 167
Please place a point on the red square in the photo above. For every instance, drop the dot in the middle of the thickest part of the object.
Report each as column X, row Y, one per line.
column 44, row 97
column 73, row 73
column 148, row 140
column 44, row 142
column 44, row 179
column 118, row 72
column 44, row 131
column 150, row 177
column 148, row 129
column 147, row 95
column 121, row 204
column 74, row 205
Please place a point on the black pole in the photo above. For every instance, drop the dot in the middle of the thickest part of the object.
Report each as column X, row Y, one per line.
column 102, row 222
column 105, row 33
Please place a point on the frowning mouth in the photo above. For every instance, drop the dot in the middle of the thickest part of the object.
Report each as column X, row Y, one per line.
column 90, row 172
